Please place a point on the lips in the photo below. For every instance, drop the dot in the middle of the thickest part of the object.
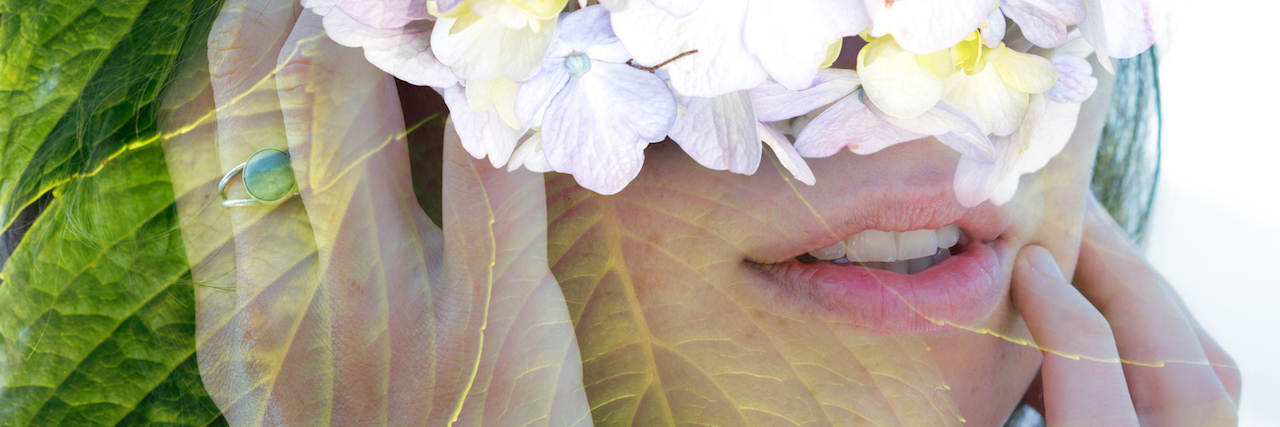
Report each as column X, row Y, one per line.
column 962, row 289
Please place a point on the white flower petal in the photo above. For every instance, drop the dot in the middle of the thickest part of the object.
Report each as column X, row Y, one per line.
column 1054, row 124
column 402, row 52
column 597, row 127
column 786, row 153
column 678, row 8
column 533, row 95
column 529, row 155
column 1044, row 22
column 1075, row 79
column 1120, row 28
column 996, row 107
column 483, row 133
column 486, row 49
column 849, row 124
column 1025, row 72
column 586, row 28
column 927, row 26
column 722, row 64
column 896, row 81
column 976, row 181
column 719, row 133
column 773, row 102
column 994, row 30
column 791, row 38
column 383, row 13
column 951, row 126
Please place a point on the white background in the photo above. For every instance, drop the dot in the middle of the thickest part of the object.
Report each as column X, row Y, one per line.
column 1216, row 224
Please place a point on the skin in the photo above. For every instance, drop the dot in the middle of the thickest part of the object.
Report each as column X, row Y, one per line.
column 406, row 323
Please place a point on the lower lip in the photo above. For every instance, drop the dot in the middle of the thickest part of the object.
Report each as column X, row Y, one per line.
column 960, row 291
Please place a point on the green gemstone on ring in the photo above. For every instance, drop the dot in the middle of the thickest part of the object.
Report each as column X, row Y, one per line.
column 268, row 176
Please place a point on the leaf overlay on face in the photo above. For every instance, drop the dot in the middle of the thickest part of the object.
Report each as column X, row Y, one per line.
column 671, row 336
column 98, row 319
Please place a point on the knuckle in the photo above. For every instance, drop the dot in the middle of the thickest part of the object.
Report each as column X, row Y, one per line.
column 301, row 70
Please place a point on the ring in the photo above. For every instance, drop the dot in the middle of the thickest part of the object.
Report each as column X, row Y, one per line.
column 268, row 179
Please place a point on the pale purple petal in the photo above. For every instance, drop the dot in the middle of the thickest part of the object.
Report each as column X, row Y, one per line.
column 534, row 95
column 483, row 133
column 587, row 27
column 447, row 5
column 719, row 133
column 976, row 180
column 786, row 153
column 529, row 155
column 1044, row 22
column 1119, row 28
column 1050, row 133
column 1075, row 79
column 402, row 52
column 597, row 127
column 952, row 127
column 849, row 124
column 993, row 33
column 384, row 13
column 773, row 102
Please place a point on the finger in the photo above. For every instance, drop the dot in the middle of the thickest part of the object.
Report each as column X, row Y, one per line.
column 270, row 349
column 191, row 156
column 347, row 144
column 1082, row 379
column 1171, row 378
column 511, row 334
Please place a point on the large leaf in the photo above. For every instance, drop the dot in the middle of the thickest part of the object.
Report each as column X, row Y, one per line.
column 98, row 319
column 99, row 313
column 73, row 76
column 671, row 335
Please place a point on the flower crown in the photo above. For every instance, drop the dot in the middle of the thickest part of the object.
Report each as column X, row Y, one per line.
column 583, row 89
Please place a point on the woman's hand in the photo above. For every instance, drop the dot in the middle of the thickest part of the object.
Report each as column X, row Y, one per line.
column 347, row 305
column 1120, row 348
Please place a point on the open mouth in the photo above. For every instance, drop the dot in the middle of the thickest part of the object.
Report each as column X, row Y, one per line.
column 898, row 282
column 906, row 252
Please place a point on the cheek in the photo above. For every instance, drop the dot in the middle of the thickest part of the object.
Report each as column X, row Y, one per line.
column 1050, row 204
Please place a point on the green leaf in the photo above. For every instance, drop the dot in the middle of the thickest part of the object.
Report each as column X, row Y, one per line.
column 100, row 310
column 72, row 74
column 98, row 319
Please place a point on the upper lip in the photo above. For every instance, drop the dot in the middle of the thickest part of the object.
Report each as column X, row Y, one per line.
column 915, row 208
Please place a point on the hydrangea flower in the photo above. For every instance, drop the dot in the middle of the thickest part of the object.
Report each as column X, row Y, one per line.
column 395, row 36
column 738, row 43
column 848, row 121
column 1120, row 28
column 723, row 133
column 926, row 26
column 596, row 113
column 1045, row 131
column 488, row 39
column 990, row 85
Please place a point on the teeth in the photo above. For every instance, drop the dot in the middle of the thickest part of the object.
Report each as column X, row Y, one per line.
column 887, row 246
column 872, row 245
column 829, row 253
column 948, row 236
column 906, row 252
column 916, row 244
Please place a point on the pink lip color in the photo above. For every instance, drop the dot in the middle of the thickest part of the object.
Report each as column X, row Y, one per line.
column 961, row 290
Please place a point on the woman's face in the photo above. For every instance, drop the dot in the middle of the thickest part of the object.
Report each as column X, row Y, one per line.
column 690, row 303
